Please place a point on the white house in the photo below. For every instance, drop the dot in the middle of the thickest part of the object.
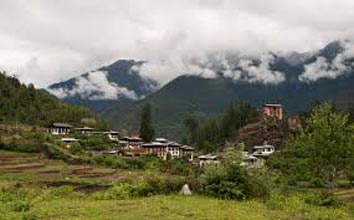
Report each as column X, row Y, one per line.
column 164, row 149
column 263, row 150
column 112, row 135
column 186, row 152
column 208, row 159
column 85, row 130
column 69, row 141
column 59, row 129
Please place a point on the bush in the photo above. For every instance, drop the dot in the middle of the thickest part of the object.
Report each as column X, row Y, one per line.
column 124, row 163
column 154, row 184
column 323, row 199
column 176, row 166
column 26, row 147
column 229, row 180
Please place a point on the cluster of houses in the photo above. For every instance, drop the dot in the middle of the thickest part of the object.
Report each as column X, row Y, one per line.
column 256, row 158
column 133, row 145
column 129, row 145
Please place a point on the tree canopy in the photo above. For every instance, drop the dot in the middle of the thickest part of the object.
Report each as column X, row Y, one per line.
column 321, row 150
column 213, row 133
column 25, row 104
column 146, row 130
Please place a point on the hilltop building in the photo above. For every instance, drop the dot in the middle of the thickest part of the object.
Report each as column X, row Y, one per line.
column 274, row 110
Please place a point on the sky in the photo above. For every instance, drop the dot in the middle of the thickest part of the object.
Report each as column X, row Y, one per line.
column 46, row 41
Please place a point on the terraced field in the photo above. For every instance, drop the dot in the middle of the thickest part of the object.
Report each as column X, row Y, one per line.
column 19, row 200
column 34, row 169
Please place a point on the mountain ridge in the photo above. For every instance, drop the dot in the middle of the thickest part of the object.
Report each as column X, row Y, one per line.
column 326, row 74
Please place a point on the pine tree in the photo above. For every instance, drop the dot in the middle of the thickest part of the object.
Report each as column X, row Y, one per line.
column 146, row 130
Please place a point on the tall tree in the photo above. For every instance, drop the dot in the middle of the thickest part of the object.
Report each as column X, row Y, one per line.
column 192, row 126
column 324, row 148
column 146, row 130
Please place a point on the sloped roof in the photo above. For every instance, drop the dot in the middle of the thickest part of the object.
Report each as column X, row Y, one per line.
column 85, row 129
column 186, row 147
column 61, row 125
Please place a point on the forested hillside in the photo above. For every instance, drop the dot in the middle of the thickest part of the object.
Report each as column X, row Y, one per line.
column 25, row 104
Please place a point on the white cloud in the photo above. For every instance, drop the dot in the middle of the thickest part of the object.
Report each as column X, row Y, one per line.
column 95, row 86
column 45, row 41
column 322, row 68
column 262, row 72
column 253, row 69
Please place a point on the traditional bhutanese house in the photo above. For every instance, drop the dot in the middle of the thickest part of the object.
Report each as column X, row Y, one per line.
column 262, row 153
column 69, row 141
column 251, row 161
column 208, row 159
column 173, row 148
column 273, row 110
column 130, row 142
column 186, row 152
column 59, row 129
column 263, row 150
column 85, row 130
column 112, row 135
column 166, row 149
column 156, row 148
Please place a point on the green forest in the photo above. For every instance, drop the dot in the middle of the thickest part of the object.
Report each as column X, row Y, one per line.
column 20, row 103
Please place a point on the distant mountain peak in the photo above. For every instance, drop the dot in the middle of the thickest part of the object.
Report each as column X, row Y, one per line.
column 120, row 79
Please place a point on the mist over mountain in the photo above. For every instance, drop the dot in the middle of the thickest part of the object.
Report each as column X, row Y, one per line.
column 208, row 84
column 106, row 85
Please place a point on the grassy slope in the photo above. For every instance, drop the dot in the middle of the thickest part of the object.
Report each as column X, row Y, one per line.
column 172, row 208
column 57, row 203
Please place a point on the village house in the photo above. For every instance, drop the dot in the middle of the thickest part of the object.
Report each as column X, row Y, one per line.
column 274, row 111
column 85, row 130
column 258, row 156
column 156, row 148
column 166, row 149
column 60, row 129
column 112, row 135
column 69, row 141
column 264, row 150
column 131, row 142
column 249, row 160
column 187, row 152
column 208, row 159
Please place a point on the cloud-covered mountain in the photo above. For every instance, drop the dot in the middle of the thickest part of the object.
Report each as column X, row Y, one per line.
column 295, row 80
column 120, row 80
column 211, row 82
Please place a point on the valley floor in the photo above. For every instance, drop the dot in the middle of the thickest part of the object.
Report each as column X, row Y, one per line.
column 24, row 195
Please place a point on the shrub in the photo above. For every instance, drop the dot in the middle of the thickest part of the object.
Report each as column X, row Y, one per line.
column 229, row 180
column 323, row 199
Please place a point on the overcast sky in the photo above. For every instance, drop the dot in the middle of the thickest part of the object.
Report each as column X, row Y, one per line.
column 44, row 41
